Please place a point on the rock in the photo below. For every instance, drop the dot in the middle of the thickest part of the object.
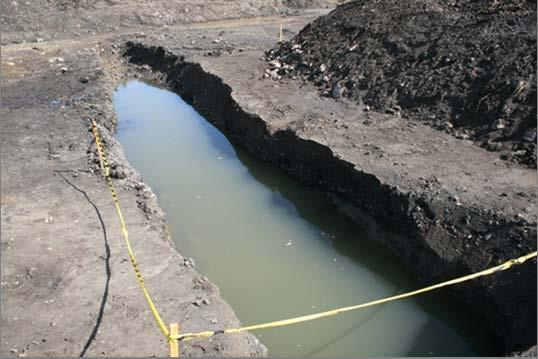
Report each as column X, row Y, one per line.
column 498, row 124
column 448, row 126
column 63, row 70
column 276, row 64
column 56, row 59
column 530, row 135
column 39, row 39
column 84, row 80
column 462, row 136
column 118, row 173
column 337, row 91
column 322, row 68
column 352, row 48
column 520, row 153
column 188, row 262
column 274, row 74
column 454, row 198
column 494, row 146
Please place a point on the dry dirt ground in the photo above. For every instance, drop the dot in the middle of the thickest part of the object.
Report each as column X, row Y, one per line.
column 444, row 205
column 67, row 287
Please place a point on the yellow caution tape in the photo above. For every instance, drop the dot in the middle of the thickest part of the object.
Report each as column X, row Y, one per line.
column 305, row 318
column 123, row 227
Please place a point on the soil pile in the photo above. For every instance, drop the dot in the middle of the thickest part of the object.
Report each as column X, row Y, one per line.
column 465, row 67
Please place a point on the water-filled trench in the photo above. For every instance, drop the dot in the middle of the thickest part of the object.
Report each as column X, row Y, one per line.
column 277, row 249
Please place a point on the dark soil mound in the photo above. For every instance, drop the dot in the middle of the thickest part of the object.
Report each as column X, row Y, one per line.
column 466, row 67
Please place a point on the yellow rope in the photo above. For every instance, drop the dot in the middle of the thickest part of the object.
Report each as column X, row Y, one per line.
column 123, row 227
column 305, row 318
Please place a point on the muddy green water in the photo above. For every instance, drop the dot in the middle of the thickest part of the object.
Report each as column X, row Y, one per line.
column 276, row 249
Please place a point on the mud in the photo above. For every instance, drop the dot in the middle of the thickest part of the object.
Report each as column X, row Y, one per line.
column 442, row 225
column 466, row 68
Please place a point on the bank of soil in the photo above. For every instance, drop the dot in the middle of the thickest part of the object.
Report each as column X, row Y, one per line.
column 466, row 68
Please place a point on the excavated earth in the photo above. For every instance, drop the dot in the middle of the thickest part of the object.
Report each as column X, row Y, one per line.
column 465, row 67
column 446, row 206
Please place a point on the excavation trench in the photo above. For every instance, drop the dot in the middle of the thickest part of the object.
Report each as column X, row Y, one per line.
column 261, row 294
column 276, row 248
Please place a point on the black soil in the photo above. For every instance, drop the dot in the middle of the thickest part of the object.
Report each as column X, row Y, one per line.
column 465, row 67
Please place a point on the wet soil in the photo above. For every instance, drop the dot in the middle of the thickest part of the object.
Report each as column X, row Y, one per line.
column 466, row 68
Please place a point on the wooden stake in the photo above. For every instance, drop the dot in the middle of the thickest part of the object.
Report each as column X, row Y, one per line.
column 174, row 344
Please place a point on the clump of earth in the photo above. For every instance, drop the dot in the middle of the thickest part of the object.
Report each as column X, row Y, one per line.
column 464, row 67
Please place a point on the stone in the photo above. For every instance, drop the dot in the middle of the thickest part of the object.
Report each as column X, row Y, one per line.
column 530, row 135
column 494, row 146
column 188, row 262
column 84, row 80
column 56, row 59
column 275, row 63
column 322, row 68
column 498, row 124
column 118, row 173
column 337, row 91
